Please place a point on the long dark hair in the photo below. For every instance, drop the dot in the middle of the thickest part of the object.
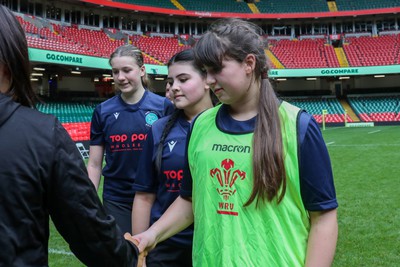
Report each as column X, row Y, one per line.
column 182, row 56
column 235, row 39
column 14, row 56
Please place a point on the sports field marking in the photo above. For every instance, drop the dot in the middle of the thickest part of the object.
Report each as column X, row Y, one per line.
column 59, row 251
column 365, row 145
column 330, row 143
column 374, row 131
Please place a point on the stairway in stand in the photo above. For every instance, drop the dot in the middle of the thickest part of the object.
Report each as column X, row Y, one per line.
column 349, row 110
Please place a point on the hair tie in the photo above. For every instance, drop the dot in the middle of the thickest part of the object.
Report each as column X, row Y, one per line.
column 264, row 74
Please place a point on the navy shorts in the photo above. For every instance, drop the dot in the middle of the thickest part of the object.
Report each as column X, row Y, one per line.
column 121, row 212
column 167, row 255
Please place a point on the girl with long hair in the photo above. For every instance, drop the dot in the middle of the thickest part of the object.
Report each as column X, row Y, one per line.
column 258, row 183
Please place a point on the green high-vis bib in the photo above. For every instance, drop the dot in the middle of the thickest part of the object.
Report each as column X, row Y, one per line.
column 226, row 233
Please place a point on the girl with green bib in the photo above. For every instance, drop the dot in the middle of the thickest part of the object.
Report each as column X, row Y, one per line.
column 258, row 182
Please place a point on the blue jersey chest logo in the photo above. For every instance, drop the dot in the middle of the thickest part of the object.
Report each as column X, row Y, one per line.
column 150, row 118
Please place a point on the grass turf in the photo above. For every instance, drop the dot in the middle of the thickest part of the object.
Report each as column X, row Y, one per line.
column 366, row 167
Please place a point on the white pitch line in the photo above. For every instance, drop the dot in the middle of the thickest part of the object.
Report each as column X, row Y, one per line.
column 374, row 132
column 59, row 251
column 330, row 143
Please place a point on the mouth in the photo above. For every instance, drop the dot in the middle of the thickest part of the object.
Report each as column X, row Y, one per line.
column 178, row 96
column 218, row 90
column 123, row 85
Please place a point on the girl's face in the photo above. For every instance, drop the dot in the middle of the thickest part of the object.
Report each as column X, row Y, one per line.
column 187, row 86
column 232, row 83
column 127, row 74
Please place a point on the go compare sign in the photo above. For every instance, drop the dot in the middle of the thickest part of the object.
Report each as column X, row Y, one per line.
column 372, row 70
column 47, row 56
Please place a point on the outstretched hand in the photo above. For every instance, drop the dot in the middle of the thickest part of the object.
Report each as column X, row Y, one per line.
column 142, row 253
column 147, row 241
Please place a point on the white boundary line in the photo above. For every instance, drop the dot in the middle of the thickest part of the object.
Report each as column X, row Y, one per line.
column 59, row 251
column 374, row 131
column 366, row 145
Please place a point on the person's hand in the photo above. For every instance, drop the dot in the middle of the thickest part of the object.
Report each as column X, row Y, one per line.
column 147, row 241
column 142, row 254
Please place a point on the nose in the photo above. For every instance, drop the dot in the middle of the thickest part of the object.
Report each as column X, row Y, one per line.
column 174, row 86
column 120, row 76
column 210, row 79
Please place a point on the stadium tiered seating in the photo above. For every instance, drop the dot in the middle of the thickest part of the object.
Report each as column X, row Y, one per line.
column 292, row 6
column 306, row 53
column 94, row 42
column 372, row 51
column 75, row 117
column 157, row 50
column 161, row 48
column 79, row 131
column 316, row 105
column 343, row 5
column 152, row 3
column 230, row 6
column 376, row 108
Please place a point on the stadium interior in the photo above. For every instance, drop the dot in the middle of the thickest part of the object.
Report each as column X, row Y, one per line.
column 337, row 59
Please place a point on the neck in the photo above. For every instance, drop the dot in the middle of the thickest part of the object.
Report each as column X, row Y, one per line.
column 133, row 97
column 247, row 107
column 192, row 112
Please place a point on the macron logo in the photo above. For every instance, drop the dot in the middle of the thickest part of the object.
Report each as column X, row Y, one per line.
column 116, row 114
column 171, row 145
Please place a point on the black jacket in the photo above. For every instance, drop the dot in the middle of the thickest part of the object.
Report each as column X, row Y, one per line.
column 42, row 174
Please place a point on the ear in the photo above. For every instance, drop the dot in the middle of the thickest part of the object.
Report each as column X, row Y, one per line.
column 250, row 63
column 142, row 71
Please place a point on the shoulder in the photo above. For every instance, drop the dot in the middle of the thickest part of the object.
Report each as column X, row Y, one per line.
column 35, row 117
column 153, row 97
column 307, row 125
column 154, row 101
column 206, row 114
column 160, row 123
column 108, row 104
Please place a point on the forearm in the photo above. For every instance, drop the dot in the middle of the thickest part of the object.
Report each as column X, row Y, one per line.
column 177, row 217
column 141, row 210
column 95, row 164
column 94, row 175
column 322, row 239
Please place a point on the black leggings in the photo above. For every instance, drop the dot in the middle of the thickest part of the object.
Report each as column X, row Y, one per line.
column 121, row 212
column 167, row 255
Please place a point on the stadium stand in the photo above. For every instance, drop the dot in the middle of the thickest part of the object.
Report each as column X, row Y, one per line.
column 344, row 5
column 316, row 105
column 376, row 108
column 306, row 53
column 160, row 48
column 291, row 51
column 75, row 117
column 152, row 3
column 216, row 6
column 373, row 51
column 292, row 6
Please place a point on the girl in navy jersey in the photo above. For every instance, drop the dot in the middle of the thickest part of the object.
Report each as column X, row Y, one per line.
column 119, row 129
column 258, row 183
column 160, row 169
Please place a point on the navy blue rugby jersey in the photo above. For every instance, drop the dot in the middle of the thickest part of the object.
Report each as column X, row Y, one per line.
column 122, row 129
column 166, row 183
column 316, row 180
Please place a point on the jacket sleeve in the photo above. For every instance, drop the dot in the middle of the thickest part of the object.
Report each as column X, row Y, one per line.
column 76, row 210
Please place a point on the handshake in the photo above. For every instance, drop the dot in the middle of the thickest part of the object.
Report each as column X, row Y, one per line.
column 142, row 251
